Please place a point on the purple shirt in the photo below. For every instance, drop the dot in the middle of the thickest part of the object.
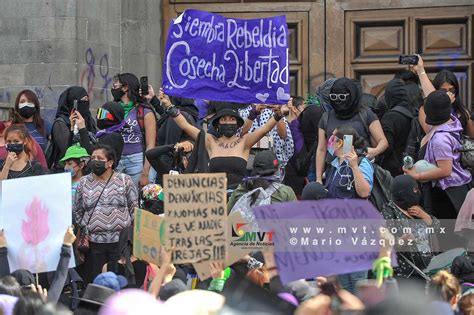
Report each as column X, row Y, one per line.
column 442, row 146
column 132, row 136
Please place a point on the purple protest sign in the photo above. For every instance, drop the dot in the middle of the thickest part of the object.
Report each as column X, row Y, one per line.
column 308, row 240
column 212, row 57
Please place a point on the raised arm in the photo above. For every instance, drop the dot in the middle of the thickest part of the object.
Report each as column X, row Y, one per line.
column 188, row 128
column 254, row 137
column 60, row 275
column 4, row 266
column 253, row 114
column 426, row 84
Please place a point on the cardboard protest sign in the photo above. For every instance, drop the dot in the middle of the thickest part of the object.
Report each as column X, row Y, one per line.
column 147, row 236
column 234, row 253
column 309, row 238
column 35, row 223
column 195, row 211
column 209, row 56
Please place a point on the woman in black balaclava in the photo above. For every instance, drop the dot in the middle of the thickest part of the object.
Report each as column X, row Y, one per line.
column 62, row 130
column 345, row 99
column 110, row 121
column 396, row 124
column 404, row 214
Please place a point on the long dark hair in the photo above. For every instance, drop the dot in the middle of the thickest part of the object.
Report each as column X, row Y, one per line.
column 131, row 81
column 357, row 141
column 446, row 76
column 37, row 120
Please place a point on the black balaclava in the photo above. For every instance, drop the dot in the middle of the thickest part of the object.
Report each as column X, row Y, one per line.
column 348, row 108
column 118, row 113
column 66, row 104
column 396, row 94
column 405, row 192
column 314, row 191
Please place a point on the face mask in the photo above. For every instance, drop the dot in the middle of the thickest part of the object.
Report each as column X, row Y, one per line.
column 26, row 110
column 15, row 147
column 117, row 94
column 83, row 108
column 97, row 167
column 70, row 170
column 227, row 130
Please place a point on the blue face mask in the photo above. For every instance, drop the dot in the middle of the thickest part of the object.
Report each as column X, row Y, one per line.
column 70, row 170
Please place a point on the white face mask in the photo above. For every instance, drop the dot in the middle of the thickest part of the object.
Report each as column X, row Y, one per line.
column 26, row 104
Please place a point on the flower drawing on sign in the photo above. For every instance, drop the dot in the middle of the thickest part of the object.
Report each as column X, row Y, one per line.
column 35, row 228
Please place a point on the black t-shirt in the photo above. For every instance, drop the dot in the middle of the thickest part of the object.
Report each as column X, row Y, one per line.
column 32, row 168
column 329, row 122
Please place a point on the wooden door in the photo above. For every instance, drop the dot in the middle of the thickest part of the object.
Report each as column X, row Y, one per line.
column 442, row 36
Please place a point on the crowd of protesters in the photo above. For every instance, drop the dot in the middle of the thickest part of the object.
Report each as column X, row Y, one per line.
column 405, row 156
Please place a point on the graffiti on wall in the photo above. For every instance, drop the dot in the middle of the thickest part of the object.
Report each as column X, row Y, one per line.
column 98, row 91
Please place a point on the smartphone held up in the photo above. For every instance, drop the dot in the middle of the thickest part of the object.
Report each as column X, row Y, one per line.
column 144, row 85
column 408, row 59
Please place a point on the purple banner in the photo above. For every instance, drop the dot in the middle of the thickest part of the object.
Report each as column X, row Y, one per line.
column 317, row 260
column 212, row 57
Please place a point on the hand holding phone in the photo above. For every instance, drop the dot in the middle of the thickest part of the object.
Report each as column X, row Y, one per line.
column 144, row 85
column 408, row 59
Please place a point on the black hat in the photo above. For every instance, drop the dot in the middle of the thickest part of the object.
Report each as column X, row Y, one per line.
column 437, row 108
column 227, row 112
column 96, row 294
column 24, row 277
column 463, row 269
column 172, row 288
column 265, row 163
column 314, row 191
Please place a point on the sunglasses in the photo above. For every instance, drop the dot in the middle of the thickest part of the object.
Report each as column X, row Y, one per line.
column 340, row 97
column 104, row 114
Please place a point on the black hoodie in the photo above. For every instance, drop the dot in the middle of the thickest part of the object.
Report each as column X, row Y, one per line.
column 396, row 124
column 61, row 131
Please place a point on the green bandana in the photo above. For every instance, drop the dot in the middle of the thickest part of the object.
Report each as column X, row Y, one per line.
column 127, row 107
column 382, row 268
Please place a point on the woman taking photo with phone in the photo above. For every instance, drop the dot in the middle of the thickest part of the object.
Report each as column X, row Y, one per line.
column 351, row 174
column 63, row 126
column 446, row 81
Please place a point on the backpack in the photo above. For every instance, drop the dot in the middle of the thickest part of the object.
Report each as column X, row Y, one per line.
column 302, row 160
column 245, row 203
column 467, row 153
column 415, row 135
column 380, row 194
